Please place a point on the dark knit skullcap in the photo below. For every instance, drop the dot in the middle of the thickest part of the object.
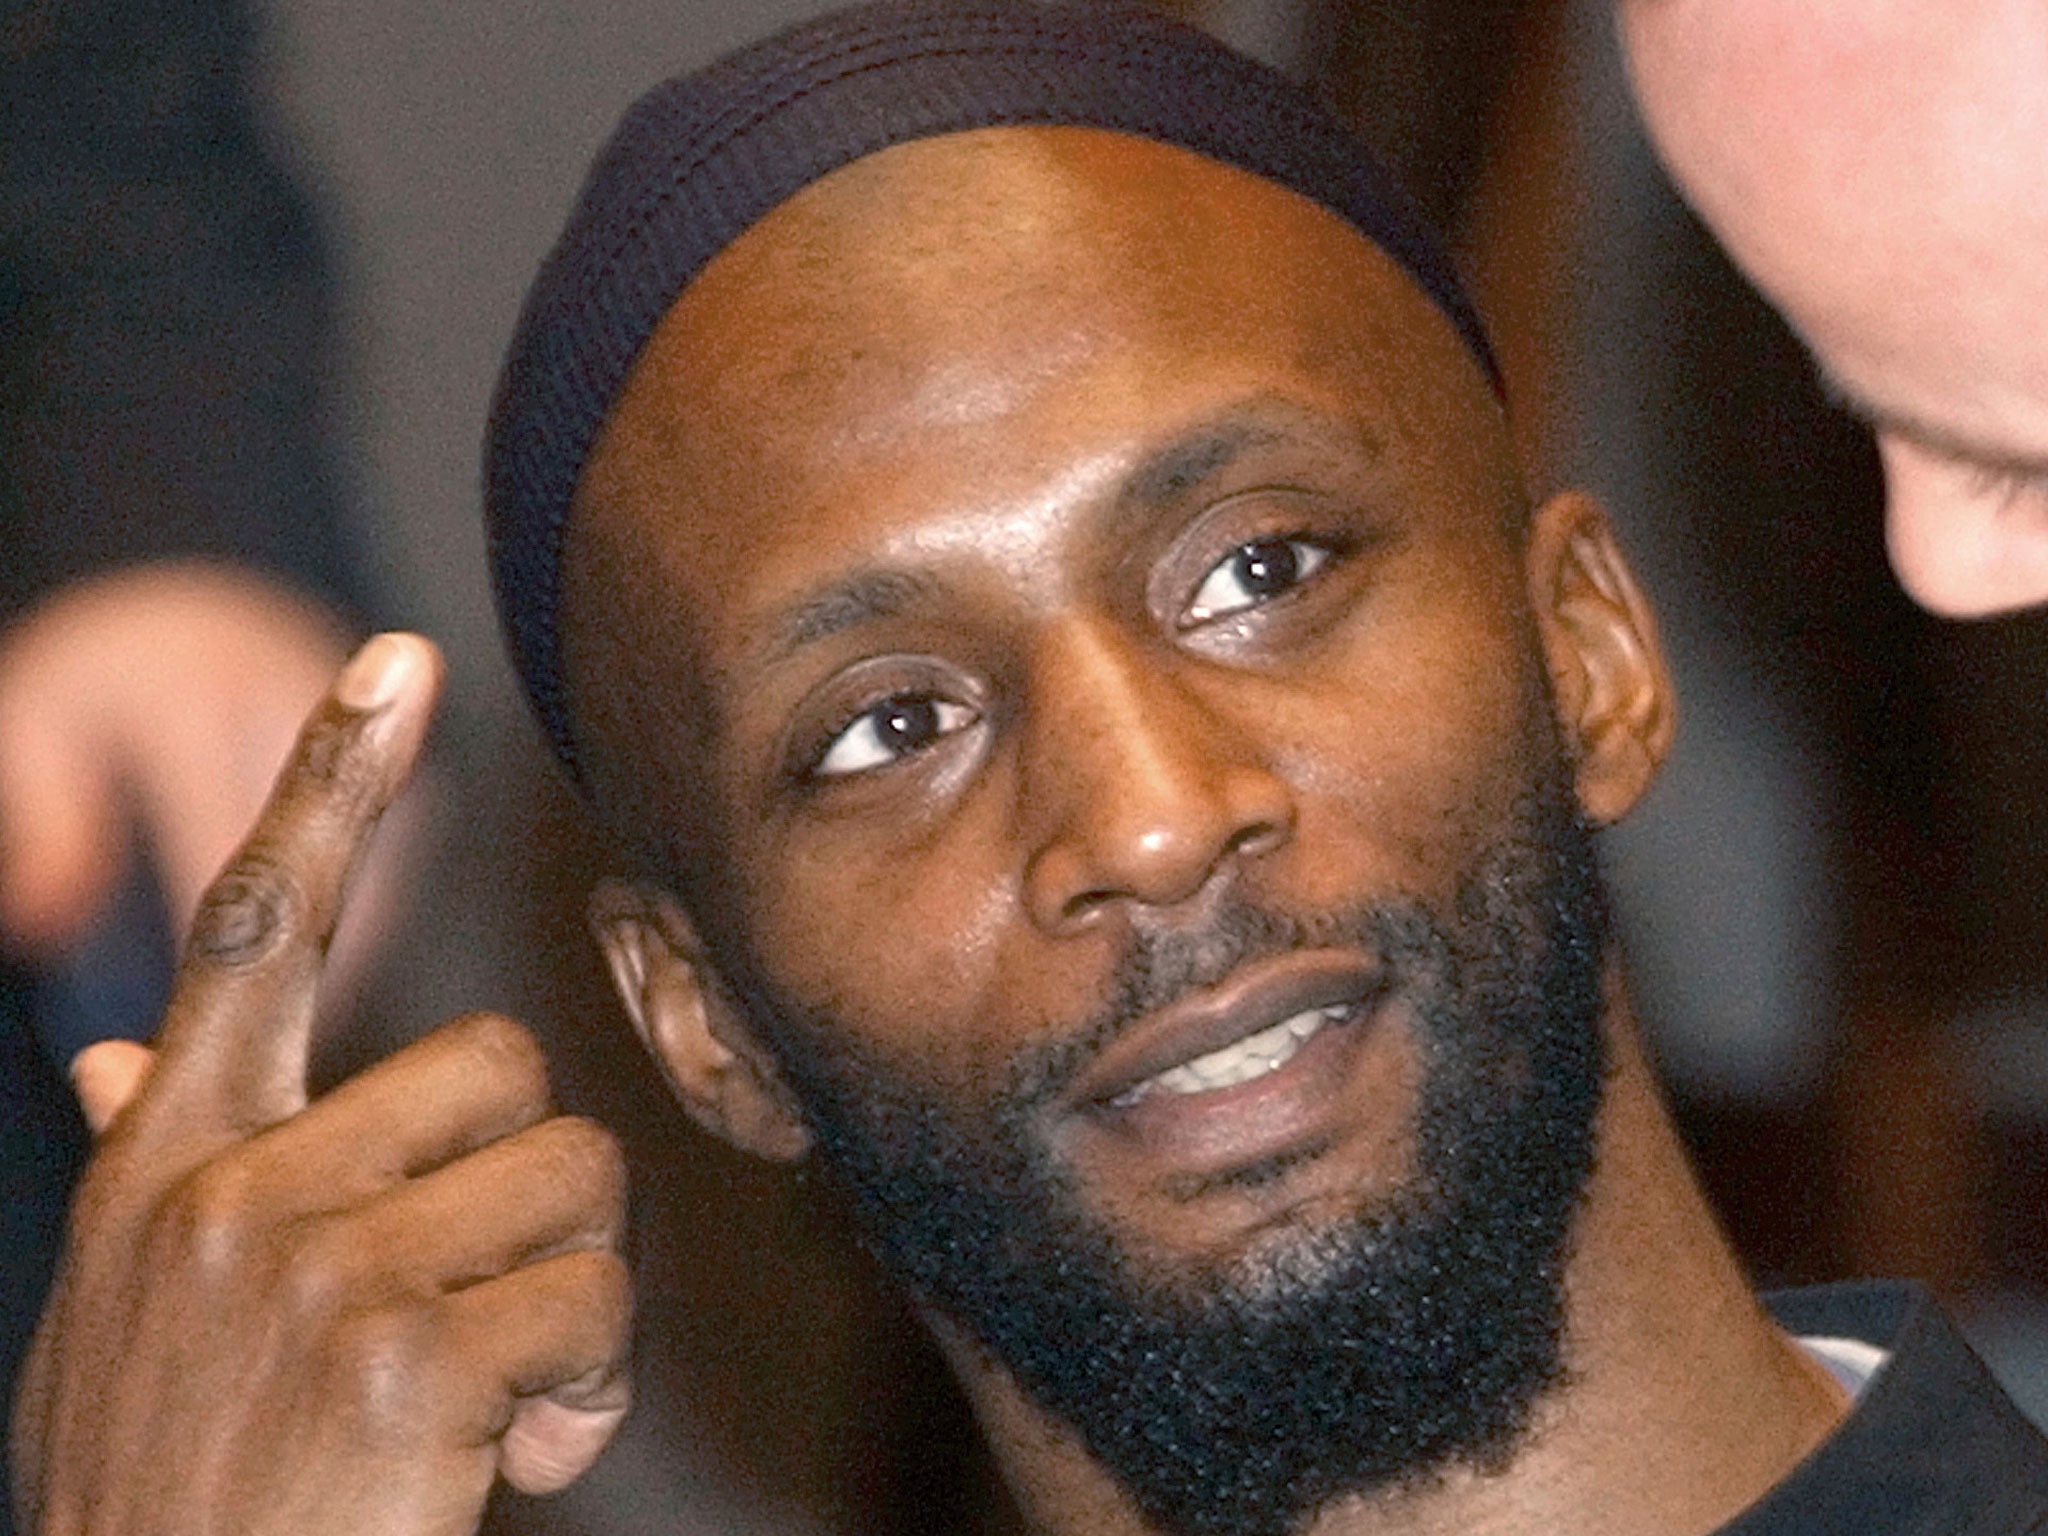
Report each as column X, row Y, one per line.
column 701, row 158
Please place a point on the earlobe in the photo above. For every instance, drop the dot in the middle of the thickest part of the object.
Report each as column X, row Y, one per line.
column 1607, row 670
column 717, row 1072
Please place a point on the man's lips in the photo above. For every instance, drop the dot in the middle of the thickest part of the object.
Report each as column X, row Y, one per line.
column 1254, row 1001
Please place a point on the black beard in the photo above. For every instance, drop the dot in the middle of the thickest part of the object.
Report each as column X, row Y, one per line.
column 1361, row 1356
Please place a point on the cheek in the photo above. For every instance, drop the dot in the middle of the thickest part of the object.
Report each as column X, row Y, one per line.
column 1407, row 766
column 894, row 931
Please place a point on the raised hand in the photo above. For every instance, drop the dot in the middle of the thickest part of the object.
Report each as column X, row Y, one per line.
column 343, row 1316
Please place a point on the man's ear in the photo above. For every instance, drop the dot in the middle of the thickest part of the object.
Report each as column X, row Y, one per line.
column 1607, row 671
column 683, row 1015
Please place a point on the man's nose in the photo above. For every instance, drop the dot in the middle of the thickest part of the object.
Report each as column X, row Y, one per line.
column 1134, row 788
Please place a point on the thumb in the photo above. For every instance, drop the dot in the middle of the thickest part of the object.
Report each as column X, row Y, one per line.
column 106, row 1076
column 553, row 1440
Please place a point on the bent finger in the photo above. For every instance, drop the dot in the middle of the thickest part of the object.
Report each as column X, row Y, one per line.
column 553, row 1189
column 550, row 1444
column 556, row 1332
column 471, row 1082
column 235, row 1038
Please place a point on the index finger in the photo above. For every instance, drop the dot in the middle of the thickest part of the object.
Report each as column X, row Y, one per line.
column 235, row 1038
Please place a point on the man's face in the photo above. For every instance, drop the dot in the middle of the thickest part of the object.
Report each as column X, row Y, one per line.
column 1059, row 604
column 1880, row 169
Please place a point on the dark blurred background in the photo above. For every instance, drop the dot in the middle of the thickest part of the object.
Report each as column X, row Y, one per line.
column 1833, row 903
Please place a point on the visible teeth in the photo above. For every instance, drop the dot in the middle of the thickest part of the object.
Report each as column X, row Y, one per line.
column 1250, row 1058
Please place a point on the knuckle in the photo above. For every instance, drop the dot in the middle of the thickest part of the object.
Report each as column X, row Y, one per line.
column 505, row 1053
column 379, row 1365
column 589, row 1158
column 210, row 1217
column 317, row 1275
column 251, row 911
column 325, row 757
column 611, row 1295
column 613, row 1283
column 598, row 1284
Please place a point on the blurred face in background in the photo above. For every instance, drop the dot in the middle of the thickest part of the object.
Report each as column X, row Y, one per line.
column 1879, row 168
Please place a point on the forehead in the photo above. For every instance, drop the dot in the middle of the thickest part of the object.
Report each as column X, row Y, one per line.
column 986, row 320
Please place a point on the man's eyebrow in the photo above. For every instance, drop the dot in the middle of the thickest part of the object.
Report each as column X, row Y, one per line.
column 2025, row 470
column 1185, row 463
column 846, row 603
column 1207, row 450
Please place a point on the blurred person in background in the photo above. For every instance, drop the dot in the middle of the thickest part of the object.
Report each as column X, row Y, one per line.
column 1879, row 168
column 177, row 574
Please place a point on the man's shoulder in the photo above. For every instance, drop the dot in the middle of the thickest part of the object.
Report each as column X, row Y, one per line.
column 1933, row 1443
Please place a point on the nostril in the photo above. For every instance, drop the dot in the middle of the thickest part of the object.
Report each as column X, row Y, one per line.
column 1084, row 908
column 1063, row 894
column 1259, row 838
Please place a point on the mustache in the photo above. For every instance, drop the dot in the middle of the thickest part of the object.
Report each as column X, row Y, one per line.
column 1162, row 963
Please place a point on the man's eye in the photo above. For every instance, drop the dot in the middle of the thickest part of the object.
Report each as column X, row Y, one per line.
column 1255, row 573
column 894, row 729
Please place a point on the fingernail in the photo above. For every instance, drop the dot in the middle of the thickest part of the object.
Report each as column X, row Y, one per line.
column 375, row 673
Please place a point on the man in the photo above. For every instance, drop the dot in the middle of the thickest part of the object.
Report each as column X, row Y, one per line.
column 1880, row 171
column 1005, row 510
